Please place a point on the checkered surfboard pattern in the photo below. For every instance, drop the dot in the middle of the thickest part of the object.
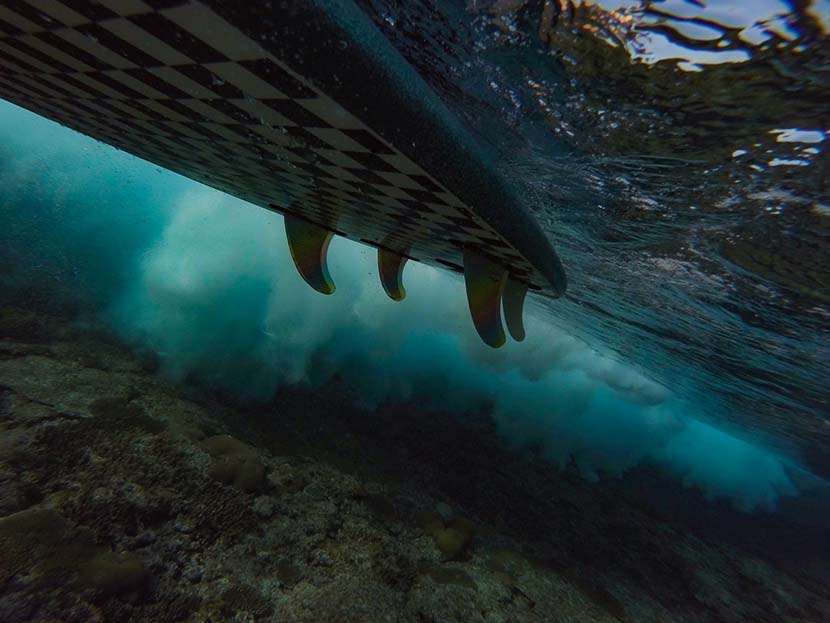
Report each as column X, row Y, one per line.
column 174, row 83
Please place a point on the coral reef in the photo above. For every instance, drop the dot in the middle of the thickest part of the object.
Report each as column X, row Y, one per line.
column 234, row 463
column 126, row 498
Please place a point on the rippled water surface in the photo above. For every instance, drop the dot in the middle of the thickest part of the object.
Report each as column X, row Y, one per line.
column 676, row 154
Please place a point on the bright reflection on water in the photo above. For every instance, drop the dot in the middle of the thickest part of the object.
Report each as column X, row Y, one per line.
column 701, row 33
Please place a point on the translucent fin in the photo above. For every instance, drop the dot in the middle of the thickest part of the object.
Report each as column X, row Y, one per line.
column 513, row 304
column 390, row 267
column 485, row 285
column 309, row 245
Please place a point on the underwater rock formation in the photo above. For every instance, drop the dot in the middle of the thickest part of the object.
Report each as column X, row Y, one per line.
column 234, row 463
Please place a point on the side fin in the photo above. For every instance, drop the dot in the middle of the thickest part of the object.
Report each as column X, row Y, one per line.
column 390, row 267
column 485, row 282
column 309, row 245
column 513, row 304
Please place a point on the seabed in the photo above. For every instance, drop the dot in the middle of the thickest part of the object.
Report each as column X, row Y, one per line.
column 126, row 498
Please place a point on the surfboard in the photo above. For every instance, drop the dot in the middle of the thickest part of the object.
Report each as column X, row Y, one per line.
column 298, row 106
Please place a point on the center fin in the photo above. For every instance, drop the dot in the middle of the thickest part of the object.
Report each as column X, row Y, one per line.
column 390, row 267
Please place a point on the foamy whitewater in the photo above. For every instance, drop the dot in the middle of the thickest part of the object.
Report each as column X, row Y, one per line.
column 206, row 281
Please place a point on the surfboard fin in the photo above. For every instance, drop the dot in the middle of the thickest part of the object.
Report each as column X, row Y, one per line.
column 513, row 303
column 485, row 281
column 390, row 267
column 309, row 246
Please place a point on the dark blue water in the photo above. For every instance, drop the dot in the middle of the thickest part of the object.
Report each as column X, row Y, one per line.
column 676, row 153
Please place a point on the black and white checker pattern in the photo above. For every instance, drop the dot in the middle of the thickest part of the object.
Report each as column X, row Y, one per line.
column 176, row 84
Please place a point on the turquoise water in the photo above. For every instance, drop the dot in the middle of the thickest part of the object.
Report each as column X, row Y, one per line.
column 688, row 204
